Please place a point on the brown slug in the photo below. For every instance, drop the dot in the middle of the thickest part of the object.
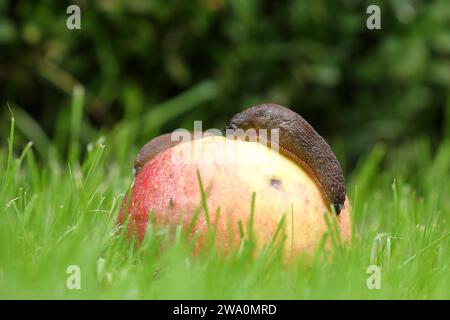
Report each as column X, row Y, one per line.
column 300, row 142
column 155, row 146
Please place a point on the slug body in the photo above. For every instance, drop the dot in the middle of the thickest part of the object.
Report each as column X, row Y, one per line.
column 159, row 144
column 151, row 149
column 300, row 142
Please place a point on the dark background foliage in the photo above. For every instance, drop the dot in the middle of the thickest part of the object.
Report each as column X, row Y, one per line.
column 162, row 64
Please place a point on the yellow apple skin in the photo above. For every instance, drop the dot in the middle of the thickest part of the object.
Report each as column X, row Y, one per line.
column 231, row 171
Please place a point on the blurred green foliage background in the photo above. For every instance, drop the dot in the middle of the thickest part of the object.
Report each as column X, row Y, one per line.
column 159, row 65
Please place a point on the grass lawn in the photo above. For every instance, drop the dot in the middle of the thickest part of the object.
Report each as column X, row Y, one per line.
column 56, row 213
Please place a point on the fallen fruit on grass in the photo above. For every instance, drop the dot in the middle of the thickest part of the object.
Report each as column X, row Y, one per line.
column 230, row 172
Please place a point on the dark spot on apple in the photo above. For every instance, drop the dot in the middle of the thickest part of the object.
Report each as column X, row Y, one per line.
column 276, row 183
column 307, row 201
column 171, row 203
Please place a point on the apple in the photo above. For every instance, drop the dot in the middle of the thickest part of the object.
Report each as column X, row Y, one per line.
column 231, row 171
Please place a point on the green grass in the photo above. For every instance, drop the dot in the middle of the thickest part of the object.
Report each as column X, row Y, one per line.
column 57, row 213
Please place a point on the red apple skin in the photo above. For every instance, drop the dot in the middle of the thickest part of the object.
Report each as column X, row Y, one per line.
column 231, row 171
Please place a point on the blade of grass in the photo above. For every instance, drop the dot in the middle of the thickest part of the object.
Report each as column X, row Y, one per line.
column 75, row 123
column 10, row 150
